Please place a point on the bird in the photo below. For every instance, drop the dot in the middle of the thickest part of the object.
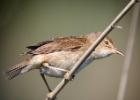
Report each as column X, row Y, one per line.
column 55, row 57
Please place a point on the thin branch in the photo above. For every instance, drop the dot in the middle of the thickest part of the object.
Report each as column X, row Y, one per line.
column 129, row 51
column 101, row 37
column 68, row 75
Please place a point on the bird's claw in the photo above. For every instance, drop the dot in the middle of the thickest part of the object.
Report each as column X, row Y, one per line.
column 69, row 77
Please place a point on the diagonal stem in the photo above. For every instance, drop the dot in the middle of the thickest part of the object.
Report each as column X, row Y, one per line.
column 107, row 30
column 129, row 52
column 45, row 81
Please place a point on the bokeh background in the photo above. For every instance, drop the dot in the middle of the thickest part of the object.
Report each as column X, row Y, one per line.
column 26, row 22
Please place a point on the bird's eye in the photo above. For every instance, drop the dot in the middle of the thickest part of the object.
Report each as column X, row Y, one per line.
column 106, row 42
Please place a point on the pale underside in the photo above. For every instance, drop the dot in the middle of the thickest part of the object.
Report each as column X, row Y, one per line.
column 60, row 62
column 62, row 53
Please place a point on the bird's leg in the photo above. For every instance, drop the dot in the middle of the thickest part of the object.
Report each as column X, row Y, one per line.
column 45, row 81
column 66, row 76
column 55, row 68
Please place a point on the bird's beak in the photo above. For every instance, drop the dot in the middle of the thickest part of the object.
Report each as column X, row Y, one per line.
column 115, row 51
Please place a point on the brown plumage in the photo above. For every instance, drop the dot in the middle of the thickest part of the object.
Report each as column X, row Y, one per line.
column 58, row 44
column 61, row 53
column 15, row 70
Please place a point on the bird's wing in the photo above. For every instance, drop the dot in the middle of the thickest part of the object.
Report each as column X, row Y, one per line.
column 33, row 47
column 59, row 44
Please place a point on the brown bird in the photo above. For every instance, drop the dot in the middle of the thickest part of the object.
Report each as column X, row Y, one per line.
column 57, row 56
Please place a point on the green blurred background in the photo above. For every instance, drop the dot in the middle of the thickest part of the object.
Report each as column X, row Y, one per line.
column 25, row 22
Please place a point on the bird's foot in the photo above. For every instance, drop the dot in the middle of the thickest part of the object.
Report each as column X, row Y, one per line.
column 69, row 77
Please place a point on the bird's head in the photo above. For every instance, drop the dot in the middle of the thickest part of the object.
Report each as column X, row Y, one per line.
column 105, row 48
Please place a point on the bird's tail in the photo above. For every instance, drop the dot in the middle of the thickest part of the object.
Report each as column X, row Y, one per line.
column 16, row 70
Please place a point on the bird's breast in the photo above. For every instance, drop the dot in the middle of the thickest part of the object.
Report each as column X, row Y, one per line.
column 63, row 59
